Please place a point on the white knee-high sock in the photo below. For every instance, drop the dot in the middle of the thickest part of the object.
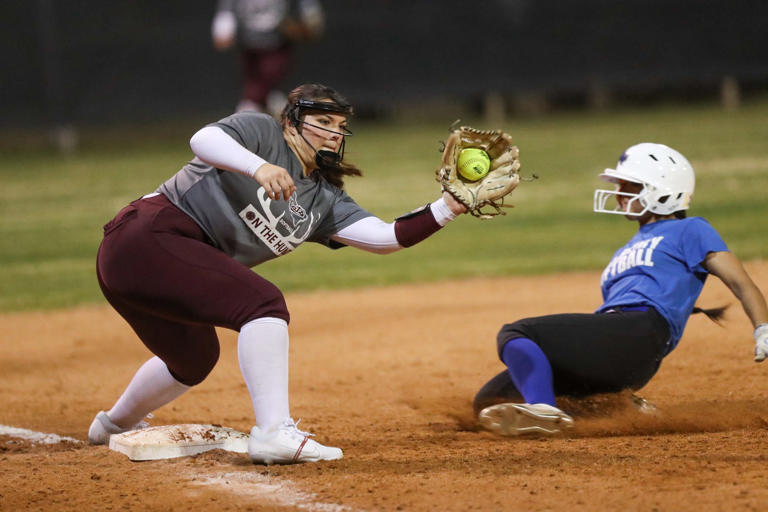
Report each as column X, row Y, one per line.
column 152, row 387
column 262, row 349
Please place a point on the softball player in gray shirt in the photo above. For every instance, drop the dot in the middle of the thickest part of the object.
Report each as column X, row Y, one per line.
column 175, row 263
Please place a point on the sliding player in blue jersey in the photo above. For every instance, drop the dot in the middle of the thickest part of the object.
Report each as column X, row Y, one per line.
column 649, row 290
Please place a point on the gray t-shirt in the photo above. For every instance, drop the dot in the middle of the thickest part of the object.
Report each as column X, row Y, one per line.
column 236, row 212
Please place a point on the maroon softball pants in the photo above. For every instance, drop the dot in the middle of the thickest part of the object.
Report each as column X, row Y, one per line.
column 160, row 272
column 263, row 70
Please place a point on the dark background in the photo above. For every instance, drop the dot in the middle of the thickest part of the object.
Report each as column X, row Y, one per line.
column 94, row 61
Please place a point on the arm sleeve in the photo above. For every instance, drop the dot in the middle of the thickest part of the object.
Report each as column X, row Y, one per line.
column 214, row 147
column 374, row 235
column 369, row 234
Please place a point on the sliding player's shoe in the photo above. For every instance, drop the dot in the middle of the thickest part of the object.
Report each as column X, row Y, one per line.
column 510, row 419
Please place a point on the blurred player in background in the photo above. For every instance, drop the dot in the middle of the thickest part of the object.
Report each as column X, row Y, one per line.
column 649, row 290
column 265, row 33
column 175, row 263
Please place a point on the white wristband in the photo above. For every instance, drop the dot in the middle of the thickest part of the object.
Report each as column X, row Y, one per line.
column 442, row 212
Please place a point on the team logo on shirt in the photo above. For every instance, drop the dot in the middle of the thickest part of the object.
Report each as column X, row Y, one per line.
column 271, row 228
column 638, row 254
column 297, row 212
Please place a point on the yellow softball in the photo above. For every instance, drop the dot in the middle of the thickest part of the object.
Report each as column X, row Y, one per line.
column 473, row 164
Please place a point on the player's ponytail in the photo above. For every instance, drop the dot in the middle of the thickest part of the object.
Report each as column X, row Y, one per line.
column 714, row 314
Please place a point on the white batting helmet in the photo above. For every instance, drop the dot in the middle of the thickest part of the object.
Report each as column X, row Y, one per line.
column 666, row 175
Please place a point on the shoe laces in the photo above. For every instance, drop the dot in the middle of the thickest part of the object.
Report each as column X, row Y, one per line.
column 143, row 423
column 292, row 427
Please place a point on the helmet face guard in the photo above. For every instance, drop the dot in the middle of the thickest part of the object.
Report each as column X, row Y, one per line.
column 666, row 176
column 601, row 198
column 296, row 113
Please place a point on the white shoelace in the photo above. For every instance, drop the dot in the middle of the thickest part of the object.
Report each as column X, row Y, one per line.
column 143, row 423
column 293, row 428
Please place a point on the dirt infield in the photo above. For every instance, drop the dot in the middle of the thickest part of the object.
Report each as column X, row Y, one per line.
column 388, row 375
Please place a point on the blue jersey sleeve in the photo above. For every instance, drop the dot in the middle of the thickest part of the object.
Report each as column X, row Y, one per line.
column 699, row 239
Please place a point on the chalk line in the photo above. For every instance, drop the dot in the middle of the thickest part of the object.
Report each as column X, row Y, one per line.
column 34, row 436
column 266, row 489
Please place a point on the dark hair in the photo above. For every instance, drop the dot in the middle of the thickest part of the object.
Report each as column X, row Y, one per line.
column 333, row 174
column 679, row 214
column 714, row 314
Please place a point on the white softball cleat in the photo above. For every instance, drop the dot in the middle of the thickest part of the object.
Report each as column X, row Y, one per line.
column 643, row 405
column 102, row 427
column 520, row 419
column 287, row 445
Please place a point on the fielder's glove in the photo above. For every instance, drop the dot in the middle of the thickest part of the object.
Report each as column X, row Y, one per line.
column 761, row 342
column 491, row 189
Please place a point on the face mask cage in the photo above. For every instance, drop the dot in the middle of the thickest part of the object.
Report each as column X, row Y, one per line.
column 323, row 157
column 345, row 132
column 601, row 198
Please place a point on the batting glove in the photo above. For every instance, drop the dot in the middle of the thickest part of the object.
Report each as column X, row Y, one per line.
column 761, row 342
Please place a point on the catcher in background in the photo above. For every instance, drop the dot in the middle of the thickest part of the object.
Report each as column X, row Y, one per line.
column 649, row 290
column 175, row 263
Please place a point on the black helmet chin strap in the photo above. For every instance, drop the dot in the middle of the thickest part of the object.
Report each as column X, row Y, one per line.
column 326, row 157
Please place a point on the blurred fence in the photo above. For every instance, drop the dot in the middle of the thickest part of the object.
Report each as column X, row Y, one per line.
column 96, row 61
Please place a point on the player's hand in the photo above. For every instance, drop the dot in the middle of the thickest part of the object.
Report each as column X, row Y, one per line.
column 456, row 207
column 761, row 342
column 276, row 181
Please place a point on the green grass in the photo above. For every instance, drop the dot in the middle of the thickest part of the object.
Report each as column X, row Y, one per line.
column 52, row 207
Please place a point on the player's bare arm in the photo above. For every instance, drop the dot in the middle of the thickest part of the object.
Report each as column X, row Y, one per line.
column 727, row 267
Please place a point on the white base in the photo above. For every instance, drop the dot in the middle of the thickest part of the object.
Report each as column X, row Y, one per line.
column 170, row 441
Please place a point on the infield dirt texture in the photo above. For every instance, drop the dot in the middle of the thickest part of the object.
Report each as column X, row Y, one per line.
column 388, row 374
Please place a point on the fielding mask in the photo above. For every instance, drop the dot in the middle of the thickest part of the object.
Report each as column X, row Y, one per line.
column 296, row 113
